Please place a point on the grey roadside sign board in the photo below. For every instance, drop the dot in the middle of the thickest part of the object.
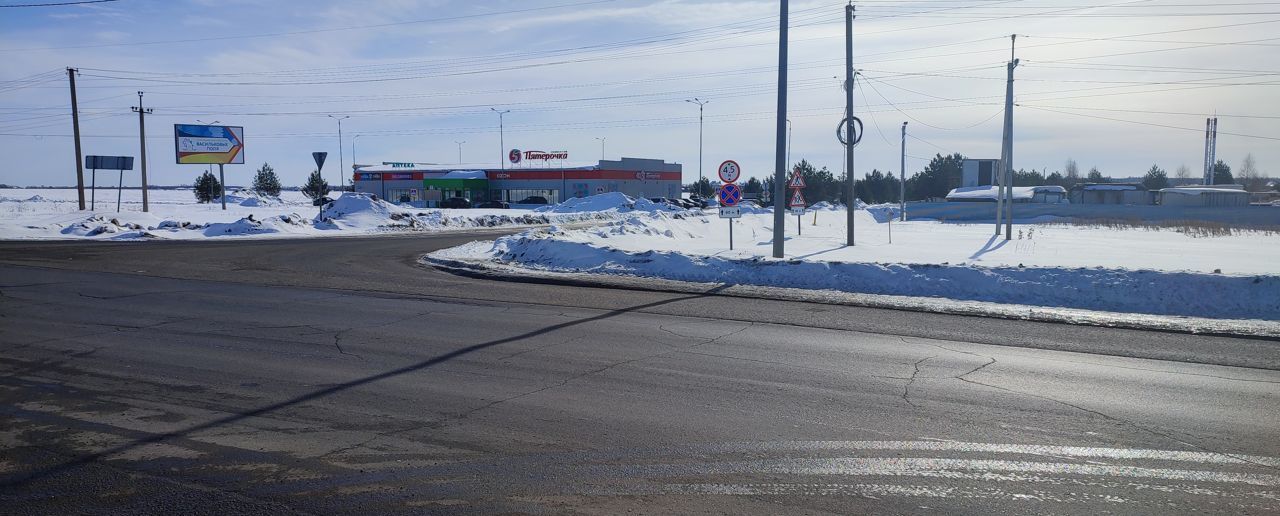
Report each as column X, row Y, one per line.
column 319, row 157
column 109, row 162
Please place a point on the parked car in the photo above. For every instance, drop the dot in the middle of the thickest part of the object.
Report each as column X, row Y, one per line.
column 455, row 202
column 535, row 199
column 494, row 204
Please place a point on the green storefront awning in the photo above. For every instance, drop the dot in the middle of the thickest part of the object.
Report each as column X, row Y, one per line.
column 456, row 184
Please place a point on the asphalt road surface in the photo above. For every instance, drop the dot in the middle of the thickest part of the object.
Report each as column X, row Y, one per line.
column 339, row 376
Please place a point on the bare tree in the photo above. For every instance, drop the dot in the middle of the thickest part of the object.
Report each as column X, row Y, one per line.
column 1249, row 176
column 1072, row 171
column 1183, row 172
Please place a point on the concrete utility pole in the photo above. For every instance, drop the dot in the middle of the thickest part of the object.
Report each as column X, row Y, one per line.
column 75, row 131
column 602, row 139
column 455, row 141
column 700, row 103
column 789, row 162
column 142, row 144
column 353, row 151
column 851, row 199
column 502, row 159
column 341, row 165
column 1006, row 148
column 780, row 172
column 902, row 177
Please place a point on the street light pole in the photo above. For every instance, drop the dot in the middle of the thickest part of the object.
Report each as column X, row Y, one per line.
column 502, row 144
column 353, row 150
column 700, row 103
column 341, row 164
column 460, row 150
column 602, row 139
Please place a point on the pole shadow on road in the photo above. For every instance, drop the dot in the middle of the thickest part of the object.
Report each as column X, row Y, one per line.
column 418, row 366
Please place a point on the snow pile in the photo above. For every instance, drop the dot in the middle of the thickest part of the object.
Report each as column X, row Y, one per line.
column 250, row 199
column 1134, row 271
column 607, row 202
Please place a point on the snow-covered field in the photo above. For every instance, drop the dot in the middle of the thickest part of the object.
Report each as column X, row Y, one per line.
column 1163, row 272
column 174, row 215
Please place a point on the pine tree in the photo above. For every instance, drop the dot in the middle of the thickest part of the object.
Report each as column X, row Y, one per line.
column 1096, row 177
column 316, row 186
column 1155, row 179
column 265, row 181
column 207, row 187
column 1222, row 174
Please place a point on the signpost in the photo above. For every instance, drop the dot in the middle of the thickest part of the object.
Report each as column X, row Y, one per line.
column 121, row 163
column 210, row 145
column 319, row 157
column 730, row 194
column 797, row 203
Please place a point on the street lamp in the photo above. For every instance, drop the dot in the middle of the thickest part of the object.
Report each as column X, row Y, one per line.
column 700, row 103
column 501, row 138
column 341, row 163
column 460, row 150
column 602, row 139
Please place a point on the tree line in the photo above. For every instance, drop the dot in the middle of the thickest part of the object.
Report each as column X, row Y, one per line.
column 944, row 173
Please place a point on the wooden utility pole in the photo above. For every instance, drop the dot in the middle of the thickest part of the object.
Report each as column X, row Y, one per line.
column 142, row 139
column 75, row 132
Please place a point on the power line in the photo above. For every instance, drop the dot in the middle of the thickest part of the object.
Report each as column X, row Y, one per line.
column 59, row 3
column 1150, row 123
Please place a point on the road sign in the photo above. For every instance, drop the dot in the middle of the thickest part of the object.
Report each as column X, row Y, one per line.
column 730, row 194
column 797, row 211
column 730, row 212
column 730, row 171
column 208, row 144
column 797, row 181
column 109, row 162
column 797, row 199
column 319, row 157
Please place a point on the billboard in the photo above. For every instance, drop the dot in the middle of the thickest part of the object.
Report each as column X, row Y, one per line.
column 208, row 144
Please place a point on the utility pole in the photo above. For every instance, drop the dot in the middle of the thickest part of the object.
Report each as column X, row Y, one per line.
column 75, row 131
column 142, row 144
column 851, row 200
column 602, row 139
column 789, row 162
column 1007, row 158
column 780, row 172
column 341, row 165
column 502, row 162
column 459, row 150
column 902, row 177
column 700, row 103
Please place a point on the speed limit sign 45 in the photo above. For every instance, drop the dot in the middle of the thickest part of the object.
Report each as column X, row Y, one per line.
column 730, row 171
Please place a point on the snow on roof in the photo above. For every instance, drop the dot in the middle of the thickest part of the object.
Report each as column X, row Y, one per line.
column 464, row 174
column 989, row 192
column 1192, row 190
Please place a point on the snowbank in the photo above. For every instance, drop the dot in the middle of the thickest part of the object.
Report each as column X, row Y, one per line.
column 174, row 215
column 1136, row 271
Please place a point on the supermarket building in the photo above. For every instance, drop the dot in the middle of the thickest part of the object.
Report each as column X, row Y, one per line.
column 426, row 185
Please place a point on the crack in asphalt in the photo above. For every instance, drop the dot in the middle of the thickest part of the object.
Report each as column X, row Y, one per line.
column 906, row 389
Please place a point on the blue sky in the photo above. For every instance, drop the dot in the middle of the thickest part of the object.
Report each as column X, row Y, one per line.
column 1118, row 85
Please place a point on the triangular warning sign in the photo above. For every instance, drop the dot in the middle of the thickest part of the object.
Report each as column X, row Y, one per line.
column 797, row 199
column 797, row 181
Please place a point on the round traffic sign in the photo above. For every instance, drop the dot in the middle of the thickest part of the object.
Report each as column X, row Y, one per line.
column 730, row 194
column 730, row 171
